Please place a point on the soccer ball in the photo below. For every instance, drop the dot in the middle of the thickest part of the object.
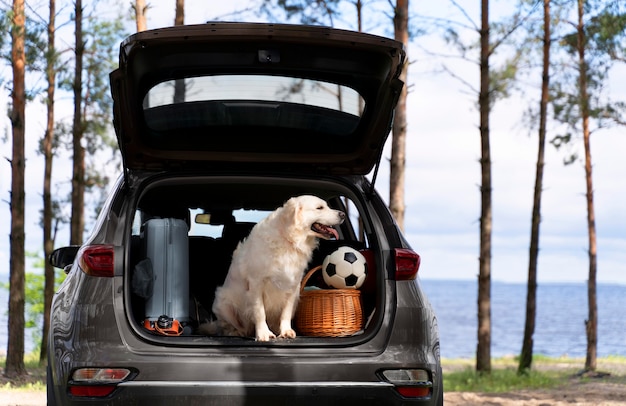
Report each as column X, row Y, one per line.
column 345, row 268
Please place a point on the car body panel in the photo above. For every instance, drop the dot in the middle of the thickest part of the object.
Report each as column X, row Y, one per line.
column 91, row 327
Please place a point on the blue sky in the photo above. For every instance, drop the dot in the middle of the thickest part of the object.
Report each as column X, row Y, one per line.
column 443, row 176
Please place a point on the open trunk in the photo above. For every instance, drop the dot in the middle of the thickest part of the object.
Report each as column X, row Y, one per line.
column 218, row 213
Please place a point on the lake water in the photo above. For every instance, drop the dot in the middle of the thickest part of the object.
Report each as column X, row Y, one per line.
column 560, row 324
column 559, row 330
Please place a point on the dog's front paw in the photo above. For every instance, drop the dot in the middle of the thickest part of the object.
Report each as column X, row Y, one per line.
column 264, row 335
column 289, row 333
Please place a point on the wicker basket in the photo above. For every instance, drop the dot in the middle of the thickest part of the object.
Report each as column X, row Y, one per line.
column 328, row 312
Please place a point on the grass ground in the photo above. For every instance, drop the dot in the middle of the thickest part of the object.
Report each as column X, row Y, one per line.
column 34, row 381
column 546, row 373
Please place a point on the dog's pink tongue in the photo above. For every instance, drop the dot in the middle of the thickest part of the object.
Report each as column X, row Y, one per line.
column 324, row 229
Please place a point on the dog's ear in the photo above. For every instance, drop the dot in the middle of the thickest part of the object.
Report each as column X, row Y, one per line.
column 299, row 213
column 293, row 211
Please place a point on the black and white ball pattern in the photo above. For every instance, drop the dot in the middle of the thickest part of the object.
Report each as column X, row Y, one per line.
column 345, row 268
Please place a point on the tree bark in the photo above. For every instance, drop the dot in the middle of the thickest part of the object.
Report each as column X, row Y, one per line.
column 591, row 324
column 483, row 348
column 398, row 144
column 526, row 355
column 48, row 241
column 179, row 84
column 15, row 347
column 78, row 175
column 179, row 18
column 140, row 15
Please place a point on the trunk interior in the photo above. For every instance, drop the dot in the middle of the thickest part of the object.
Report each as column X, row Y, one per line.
column 204, row 220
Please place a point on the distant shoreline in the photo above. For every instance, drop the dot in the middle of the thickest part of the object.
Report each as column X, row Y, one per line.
column 4, row 278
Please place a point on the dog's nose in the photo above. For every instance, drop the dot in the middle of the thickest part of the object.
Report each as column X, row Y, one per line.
column 342, row 215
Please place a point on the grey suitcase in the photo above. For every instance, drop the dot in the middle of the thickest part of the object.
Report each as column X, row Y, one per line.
column 167, row 247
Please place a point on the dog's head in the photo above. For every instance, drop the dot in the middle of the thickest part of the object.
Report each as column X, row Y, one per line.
column 313, row 216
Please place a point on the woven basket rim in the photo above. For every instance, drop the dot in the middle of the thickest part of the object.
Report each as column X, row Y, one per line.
column 351, row 292
column 312, row 321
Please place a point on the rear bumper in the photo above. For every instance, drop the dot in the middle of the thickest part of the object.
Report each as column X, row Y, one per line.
column 155, row 393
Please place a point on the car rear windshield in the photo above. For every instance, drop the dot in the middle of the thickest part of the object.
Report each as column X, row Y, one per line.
column 278, row 102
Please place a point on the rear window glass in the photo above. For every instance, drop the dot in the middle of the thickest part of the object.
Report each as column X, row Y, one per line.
column 256, row 88
column 253, row 101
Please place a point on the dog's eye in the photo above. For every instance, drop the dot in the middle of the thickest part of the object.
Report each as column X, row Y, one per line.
column 320, row 208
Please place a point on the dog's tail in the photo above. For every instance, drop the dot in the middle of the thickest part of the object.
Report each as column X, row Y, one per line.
column 210, row 328
column 218, row 328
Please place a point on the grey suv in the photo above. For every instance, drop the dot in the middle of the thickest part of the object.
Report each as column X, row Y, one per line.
column 218, row 125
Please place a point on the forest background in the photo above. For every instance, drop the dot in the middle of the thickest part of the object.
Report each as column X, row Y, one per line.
column 443, row 177
column 443, row 149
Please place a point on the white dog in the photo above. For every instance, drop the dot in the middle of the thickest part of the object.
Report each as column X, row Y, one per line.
column 262, row 288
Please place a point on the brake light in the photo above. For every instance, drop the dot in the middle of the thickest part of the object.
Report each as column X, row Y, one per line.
column 410, row 383
column 407, row 264
column 97, row 260
column 96, row 382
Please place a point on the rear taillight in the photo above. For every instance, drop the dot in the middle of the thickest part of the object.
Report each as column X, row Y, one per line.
column 97, row 260
column 407, row 264
column 96, row 382
column 410, row 383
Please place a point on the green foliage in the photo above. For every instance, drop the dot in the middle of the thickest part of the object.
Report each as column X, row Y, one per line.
column 34, row 47
column 34, row 289
column 318, row 12
column 606, row 31
column 101, row 38
column 503, row 80
column 604, row 35
column 5, row 23
column 500, row 380
column 34, row 295
column 563, row 141
column 100, row 59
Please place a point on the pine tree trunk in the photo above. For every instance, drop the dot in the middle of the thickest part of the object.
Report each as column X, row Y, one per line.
column 398, row 145
column 140, row 15
column 483, row 348
column 48, row 242
column 526, row 355
column 179, row 84
column 78, row 176
column 591, row 324
column 15, row 347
